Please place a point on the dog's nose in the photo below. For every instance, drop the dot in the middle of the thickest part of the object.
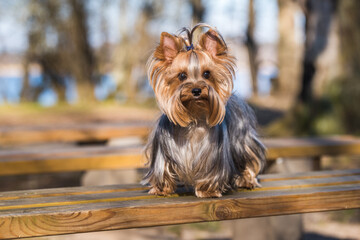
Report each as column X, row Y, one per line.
column 196, row 92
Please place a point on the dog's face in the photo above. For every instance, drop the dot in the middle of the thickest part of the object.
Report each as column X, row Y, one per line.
column 192, row 84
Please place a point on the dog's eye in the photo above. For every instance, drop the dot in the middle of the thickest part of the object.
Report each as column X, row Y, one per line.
column 182, row 76
column 206, row 74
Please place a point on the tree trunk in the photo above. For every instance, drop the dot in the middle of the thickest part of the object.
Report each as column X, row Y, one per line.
column 133, row 50
column 318, row 14
column 198, row 11
column 252, row 47
column 349, row 20
column 25, row 95
column 83, row 62
column 289, row 52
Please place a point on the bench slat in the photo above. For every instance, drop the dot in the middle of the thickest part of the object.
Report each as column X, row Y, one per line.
column 119, row 216
column 109, row 157
column 138, row 193
column 84, row 209
column 134, row 187
column 72, row 133
column 124, row 160
column 310, row 147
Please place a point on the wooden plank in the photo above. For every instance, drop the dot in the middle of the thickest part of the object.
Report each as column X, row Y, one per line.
column 312, row 147
column 37, row 160
column 161, row 212
column 308, row 175
column 85, row 209
column 70, row 159
column 72, row 133
column 119, row 193
column 24, row 194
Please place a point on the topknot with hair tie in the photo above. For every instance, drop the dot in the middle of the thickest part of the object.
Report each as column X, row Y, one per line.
column 187, row 35
column 191, row 47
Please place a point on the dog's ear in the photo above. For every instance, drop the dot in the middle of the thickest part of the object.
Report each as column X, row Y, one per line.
column 212, row 42
column 168, row 48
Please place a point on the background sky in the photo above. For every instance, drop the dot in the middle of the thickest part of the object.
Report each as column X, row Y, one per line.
column 229, row 16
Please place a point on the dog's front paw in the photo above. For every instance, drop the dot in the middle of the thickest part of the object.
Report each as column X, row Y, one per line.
column 163, row 192
column 247, row 180
column 208, row 194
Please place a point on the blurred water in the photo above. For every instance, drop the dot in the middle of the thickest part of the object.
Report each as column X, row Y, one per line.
column 10, row 89
column 11, row 86
column 264, row 76
column 106, row 86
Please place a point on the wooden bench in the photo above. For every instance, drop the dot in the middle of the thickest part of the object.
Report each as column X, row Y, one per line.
column 85, row 209
column 111, row 157
column 86, row 132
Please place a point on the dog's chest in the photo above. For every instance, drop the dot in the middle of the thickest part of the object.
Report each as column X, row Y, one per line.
column 194, row 150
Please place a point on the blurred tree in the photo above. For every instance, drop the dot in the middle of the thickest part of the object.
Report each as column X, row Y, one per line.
column 312, row 114
column 289, row 52
column 309, row 115
column 198, row 11
column 252, row 47
column 58, row 41
column 80, row 55
column 44, row 20
column 103, row 54
column 318, row 16
column 349, row 82
column 134, row 47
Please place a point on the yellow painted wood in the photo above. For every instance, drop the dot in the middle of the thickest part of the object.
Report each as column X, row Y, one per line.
column 72, row 133
column 42, row 193
column 145, row 196
column 124, row 161
column 105, row 208
column 311, row 147
column 104, row 157
column 308, row 175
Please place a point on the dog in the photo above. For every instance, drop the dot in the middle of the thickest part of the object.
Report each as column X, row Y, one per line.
column 206, row 137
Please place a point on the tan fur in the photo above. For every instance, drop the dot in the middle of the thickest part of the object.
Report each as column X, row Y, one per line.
column 198, row 140
column 247, row 179
column 174, row 96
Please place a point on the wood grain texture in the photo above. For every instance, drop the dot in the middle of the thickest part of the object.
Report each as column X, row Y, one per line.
column 71, row 133
column 109, row 157
column 106, row 157
column 312, row 147
column 86, row 209
column 70, row 159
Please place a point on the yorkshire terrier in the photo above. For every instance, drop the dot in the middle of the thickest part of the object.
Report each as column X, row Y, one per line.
column 206, row 136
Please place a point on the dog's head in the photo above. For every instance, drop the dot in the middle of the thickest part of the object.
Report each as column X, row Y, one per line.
column 192, row 82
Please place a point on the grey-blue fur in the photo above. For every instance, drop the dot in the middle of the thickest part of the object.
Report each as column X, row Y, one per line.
column 211, row 159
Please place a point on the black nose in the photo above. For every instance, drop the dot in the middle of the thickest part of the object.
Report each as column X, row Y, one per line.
column 196, row 92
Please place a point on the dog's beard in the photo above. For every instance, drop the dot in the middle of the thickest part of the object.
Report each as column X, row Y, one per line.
column 184, row 109
column 198, row 109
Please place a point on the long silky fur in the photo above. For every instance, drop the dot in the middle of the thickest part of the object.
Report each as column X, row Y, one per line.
column 224, row 153
column 214, row 154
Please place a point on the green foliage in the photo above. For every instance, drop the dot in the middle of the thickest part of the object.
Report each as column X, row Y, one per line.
column 347, row 216
column 316, row 118
column 336, row 112
column 205, row 226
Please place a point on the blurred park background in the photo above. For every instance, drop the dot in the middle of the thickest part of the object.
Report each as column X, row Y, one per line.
column 73, row 61
column 297, row 58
